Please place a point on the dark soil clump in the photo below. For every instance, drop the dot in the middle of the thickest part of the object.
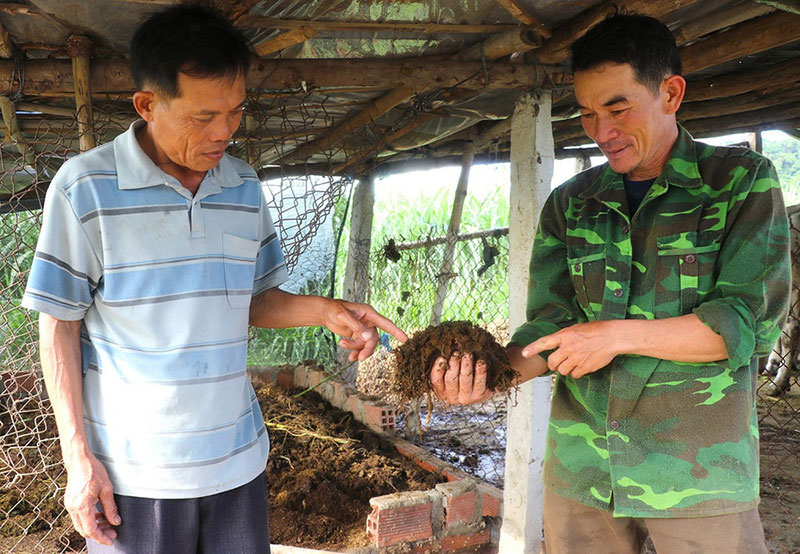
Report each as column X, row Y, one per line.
column 415, row 357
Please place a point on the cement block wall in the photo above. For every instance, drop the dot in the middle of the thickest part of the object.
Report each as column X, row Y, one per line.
column 457, row 516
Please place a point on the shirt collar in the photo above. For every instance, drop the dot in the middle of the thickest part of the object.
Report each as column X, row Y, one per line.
column 681, row 169
column 135, row 169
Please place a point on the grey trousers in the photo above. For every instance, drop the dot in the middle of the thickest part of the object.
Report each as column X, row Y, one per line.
column 230, row 522
column 572, row 528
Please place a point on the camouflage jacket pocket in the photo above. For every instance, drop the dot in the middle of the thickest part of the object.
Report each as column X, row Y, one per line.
column 588, row 273
column 684, row 272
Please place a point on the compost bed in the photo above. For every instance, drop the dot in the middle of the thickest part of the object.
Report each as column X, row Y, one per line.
column 323, row 468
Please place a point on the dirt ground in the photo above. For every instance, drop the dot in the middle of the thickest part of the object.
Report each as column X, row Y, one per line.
column 323, row 469
column 779, row 425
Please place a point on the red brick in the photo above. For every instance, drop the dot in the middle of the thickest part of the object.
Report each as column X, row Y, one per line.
column 379, row 417
column 285, row 379
column 315, row 377
column 457, row 543
column 356, row 405
column 459, row 502
column 301, row 377
column 400, row 518
column 340, row 393
column 491, row 505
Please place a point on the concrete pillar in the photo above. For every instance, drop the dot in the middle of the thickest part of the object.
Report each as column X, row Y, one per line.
column 356, row 273
column 532, row 159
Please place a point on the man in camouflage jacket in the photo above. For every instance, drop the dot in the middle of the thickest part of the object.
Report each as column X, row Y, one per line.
column 656, row 281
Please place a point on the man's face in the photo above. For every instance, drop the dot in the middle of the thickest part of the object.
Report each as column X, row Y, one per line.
column 193, row 129
column 633, row 125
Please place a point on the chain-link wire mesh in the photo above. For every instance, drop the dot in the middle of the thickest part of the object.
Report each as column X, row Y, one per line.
column 778, row 406
column 404, row 279
column 32, row 477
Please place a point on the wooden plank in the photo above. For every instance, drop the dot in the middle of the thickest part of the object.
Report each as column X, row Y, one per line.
column 258, row 22
column 284, row 40
column 524, row 16
column 750, row 37
column 731, row 84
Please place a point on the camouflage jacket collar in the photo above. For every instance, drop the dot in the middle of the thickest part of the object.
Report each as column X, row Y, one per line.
column 681, row 170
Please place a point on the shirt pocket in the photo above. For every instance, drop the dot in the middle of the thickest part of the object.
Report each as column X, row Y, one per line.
column 588, row 273
column 685, row 267
column 239, row 261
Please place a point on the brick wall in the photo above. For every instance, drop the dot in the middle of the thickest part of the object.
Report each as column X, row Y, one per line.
column 456, row 516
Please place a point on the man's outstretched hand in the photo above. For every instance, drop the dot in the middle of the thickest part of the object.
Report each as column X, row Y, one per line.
column 460, row 380
column 358, row 326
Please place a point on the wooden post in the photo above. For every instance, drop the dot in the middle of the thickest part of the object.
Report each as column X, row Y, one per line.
column 532, row 158
column 80, row 50
column 445, row 273
column 13, row 133
column 756, row 141
column 356, row 273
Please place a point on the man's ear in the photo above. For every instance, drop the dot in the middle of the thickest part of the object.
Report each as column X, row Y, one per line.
column 143, row 104
column 674, row 88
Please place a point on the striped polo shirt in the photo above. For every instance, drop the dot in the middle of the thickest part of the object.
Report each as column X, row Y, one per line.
column 162, row 281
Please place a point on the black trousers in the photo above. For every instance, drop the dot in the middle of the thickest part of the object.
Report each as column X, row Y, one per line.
column 231, row 522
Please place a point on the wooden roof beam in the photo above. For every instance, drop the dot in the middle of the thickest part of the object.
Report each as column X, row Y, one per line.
column 258, row 22
column 718, row 19
column 522, row 15
column 399, row 95
column 284, row 40
column 746, row 102
column 791, row 6
column 739, row 82
column 53, row 77
column 750, row 37
column 556, row 49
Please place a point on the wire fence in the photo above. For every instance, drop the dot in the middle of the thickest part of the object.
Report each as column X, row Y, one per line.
column 32, row 477
column 404, row 278
column 404, row 282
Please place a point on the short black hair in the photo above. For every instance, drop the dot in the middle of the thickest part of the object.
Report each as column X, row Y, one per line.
column 188, row 39
column 643, row 42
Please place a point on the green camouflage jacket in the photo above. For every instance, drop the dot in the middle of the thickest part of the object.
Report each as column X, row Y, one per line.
column 643, row 436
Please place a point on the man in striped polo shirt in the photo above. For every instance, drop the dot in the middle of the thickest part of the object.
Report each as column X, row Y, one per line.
column 156, row 251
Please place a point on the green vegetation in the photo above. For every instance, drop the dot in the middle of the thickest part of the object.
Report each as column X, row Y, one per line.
column 785, row 154
column 408, row 207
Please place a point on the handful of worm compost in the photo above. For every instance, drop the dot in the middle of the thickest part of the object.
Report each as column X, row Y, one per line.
column 413, row 360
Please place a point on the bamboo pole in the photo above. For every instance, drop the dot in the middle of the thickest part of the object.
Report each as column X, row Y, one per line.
column 434, row 241
column 284, row 40
column 6, row 46
column 524, row 16
column 259, row 22
column 13, row 134
column 446, row 270
column 80, row 48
